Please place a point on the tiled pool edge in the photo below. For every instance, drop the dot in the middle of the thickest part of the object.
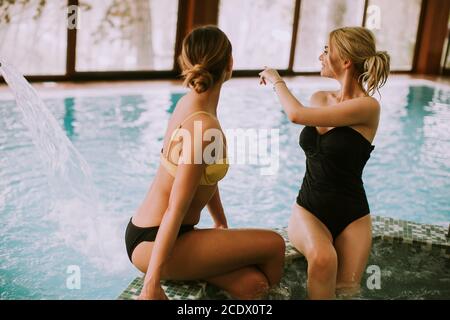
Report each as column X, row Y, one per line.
column 421, row 236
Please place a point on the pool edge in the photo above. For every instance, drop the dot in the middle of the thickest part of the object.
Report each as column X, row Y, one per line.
column 425, row 237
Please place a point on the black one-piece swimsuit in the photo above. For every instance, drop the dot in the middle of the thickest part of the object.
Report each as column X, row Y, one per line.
column 332, row 188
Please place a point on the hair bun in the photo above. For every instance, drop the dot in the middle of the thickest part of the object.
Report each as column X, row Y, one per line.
column 198, row 78
column 198, row 68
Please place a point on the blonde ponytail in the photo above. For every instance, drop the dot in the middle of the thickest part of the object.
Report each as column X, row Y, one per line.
column 376, row 72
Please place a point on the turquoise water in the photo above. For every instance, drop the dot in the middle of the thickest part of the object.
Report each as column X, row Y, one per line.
column 120, row 136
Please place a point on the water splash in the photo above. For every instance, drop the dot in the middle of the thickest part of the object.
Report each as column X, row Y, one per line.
column 75, row 204
column 70, row 173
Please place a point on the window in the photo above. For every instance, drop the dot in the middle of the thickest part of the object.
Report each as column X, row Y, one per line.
column 447, row 60
column 127, row 35
column 259, row 30
column 33, row 36
column 397, row 29
column 317, row 19
column 140, row 35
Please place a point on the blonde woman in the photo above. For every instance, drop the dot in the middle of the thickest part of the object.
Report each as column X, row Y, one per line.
column 161, row 239
column 330, row 222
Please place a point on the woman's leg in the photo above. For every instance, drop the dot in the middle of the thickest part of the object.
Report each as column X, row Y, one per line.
column 224, row 257
column 247, row 283
column 353, row 248
column 312, row 238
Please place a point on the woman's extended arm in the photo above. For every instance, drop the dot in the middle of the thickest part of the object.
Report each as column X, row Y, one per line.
column 215, row 208
column 350, row 112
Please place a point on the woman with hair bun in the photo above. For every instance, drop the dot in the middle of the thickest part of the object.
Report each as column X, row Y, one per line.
column 330, row 221
column 161, row 239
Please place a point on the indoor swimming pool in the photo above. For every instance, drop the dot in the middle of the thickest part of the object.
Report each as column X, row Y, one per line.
column 119, row 134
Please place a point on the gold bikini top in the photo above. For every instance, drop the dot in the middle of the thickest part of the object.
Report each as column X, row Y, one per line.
column 214, row 172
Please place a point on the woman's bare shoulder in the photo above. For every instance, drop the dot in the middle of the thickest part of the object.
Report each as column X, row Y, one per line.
column 320, row 98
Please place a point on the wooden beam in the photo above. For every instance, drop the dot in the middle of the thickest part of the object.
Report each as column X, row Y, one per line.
column 86, row 77
column 191, row 14
column 432, row 36
column 71, row 44
column 294, row 34
column 419, row 36
column 366, row 6
column 446, row 55
column 205, row 12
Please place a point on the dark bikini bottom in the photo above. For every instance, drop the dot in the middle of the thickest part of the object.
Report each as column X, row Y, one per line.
column 134, row 235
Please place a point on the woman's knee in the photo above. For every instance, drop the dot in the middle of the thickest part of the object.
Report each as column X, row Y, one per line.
column 273, row 249
column 254, row 286
column 269, row 245
column 275, row 245
column 322, row 263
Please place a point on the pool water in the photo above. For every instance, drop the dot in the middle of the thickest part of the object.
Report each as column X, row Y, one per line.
column 120, row 136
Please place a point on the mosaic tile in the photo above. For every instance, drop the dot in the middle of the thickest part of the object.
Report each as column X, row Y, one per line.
column 175, row 290
column 421, row 237
column 184, row 290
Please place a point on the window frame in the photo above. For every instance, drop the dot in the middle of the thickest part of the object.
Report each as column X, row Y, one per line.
column 192, row 13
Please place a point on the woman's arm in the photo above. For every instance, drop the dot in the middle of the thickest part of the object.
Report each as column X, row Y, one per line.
column 184, row 187
column 350, row 112
column 215, row 208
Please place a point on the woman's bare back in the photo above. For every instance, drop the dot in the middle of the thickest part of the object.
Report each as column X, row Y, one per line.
column 152, row 209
